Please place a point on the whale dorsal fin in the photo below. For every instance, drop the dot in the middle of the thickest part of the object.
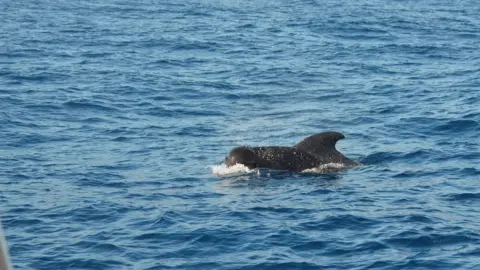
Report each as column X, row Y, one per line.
column 321, row 144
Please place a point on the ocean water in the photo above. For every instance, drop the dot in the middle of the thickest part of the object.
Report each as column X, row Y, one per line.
column 116, row 116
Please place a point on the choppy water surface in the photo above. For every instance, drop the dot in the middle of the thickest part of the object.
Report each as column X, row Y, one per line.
column 115, row 114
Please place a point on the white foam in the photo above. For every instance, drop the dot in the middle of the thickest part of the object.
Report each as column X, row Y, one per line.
column 222, row 169
column 325, row 168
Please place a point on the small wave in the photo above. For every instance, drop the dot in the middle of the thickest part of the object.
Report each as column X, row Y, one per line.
column 387, row 157
column 378, row 158
column 350, row 222
column 222, row 169
column 87, row 105
column 463, row 197
column 430, row 240
column 458, row 125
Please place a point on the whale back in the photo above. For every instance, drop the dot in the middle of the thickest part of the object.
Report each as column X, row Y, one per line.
column 284, row 158
column 322, row 147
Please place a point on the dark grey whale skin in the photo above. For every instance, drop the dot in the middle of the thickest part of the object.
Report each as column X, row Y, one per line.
column 313, row 151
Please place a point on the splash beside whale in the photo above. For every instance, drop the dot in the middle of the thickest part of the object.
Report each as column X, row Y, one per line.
column 312, row 152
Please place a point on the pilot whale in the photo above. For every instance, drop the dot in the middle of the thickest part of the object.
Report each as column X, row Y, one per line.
column 314, row 151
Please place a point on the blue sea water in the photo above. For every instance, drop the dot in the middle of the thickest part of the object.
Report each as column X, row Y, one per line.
column 115, row 114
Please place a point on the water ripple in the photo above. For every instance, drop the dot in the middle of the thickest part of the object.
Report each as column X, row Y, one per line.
column 114, row 116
